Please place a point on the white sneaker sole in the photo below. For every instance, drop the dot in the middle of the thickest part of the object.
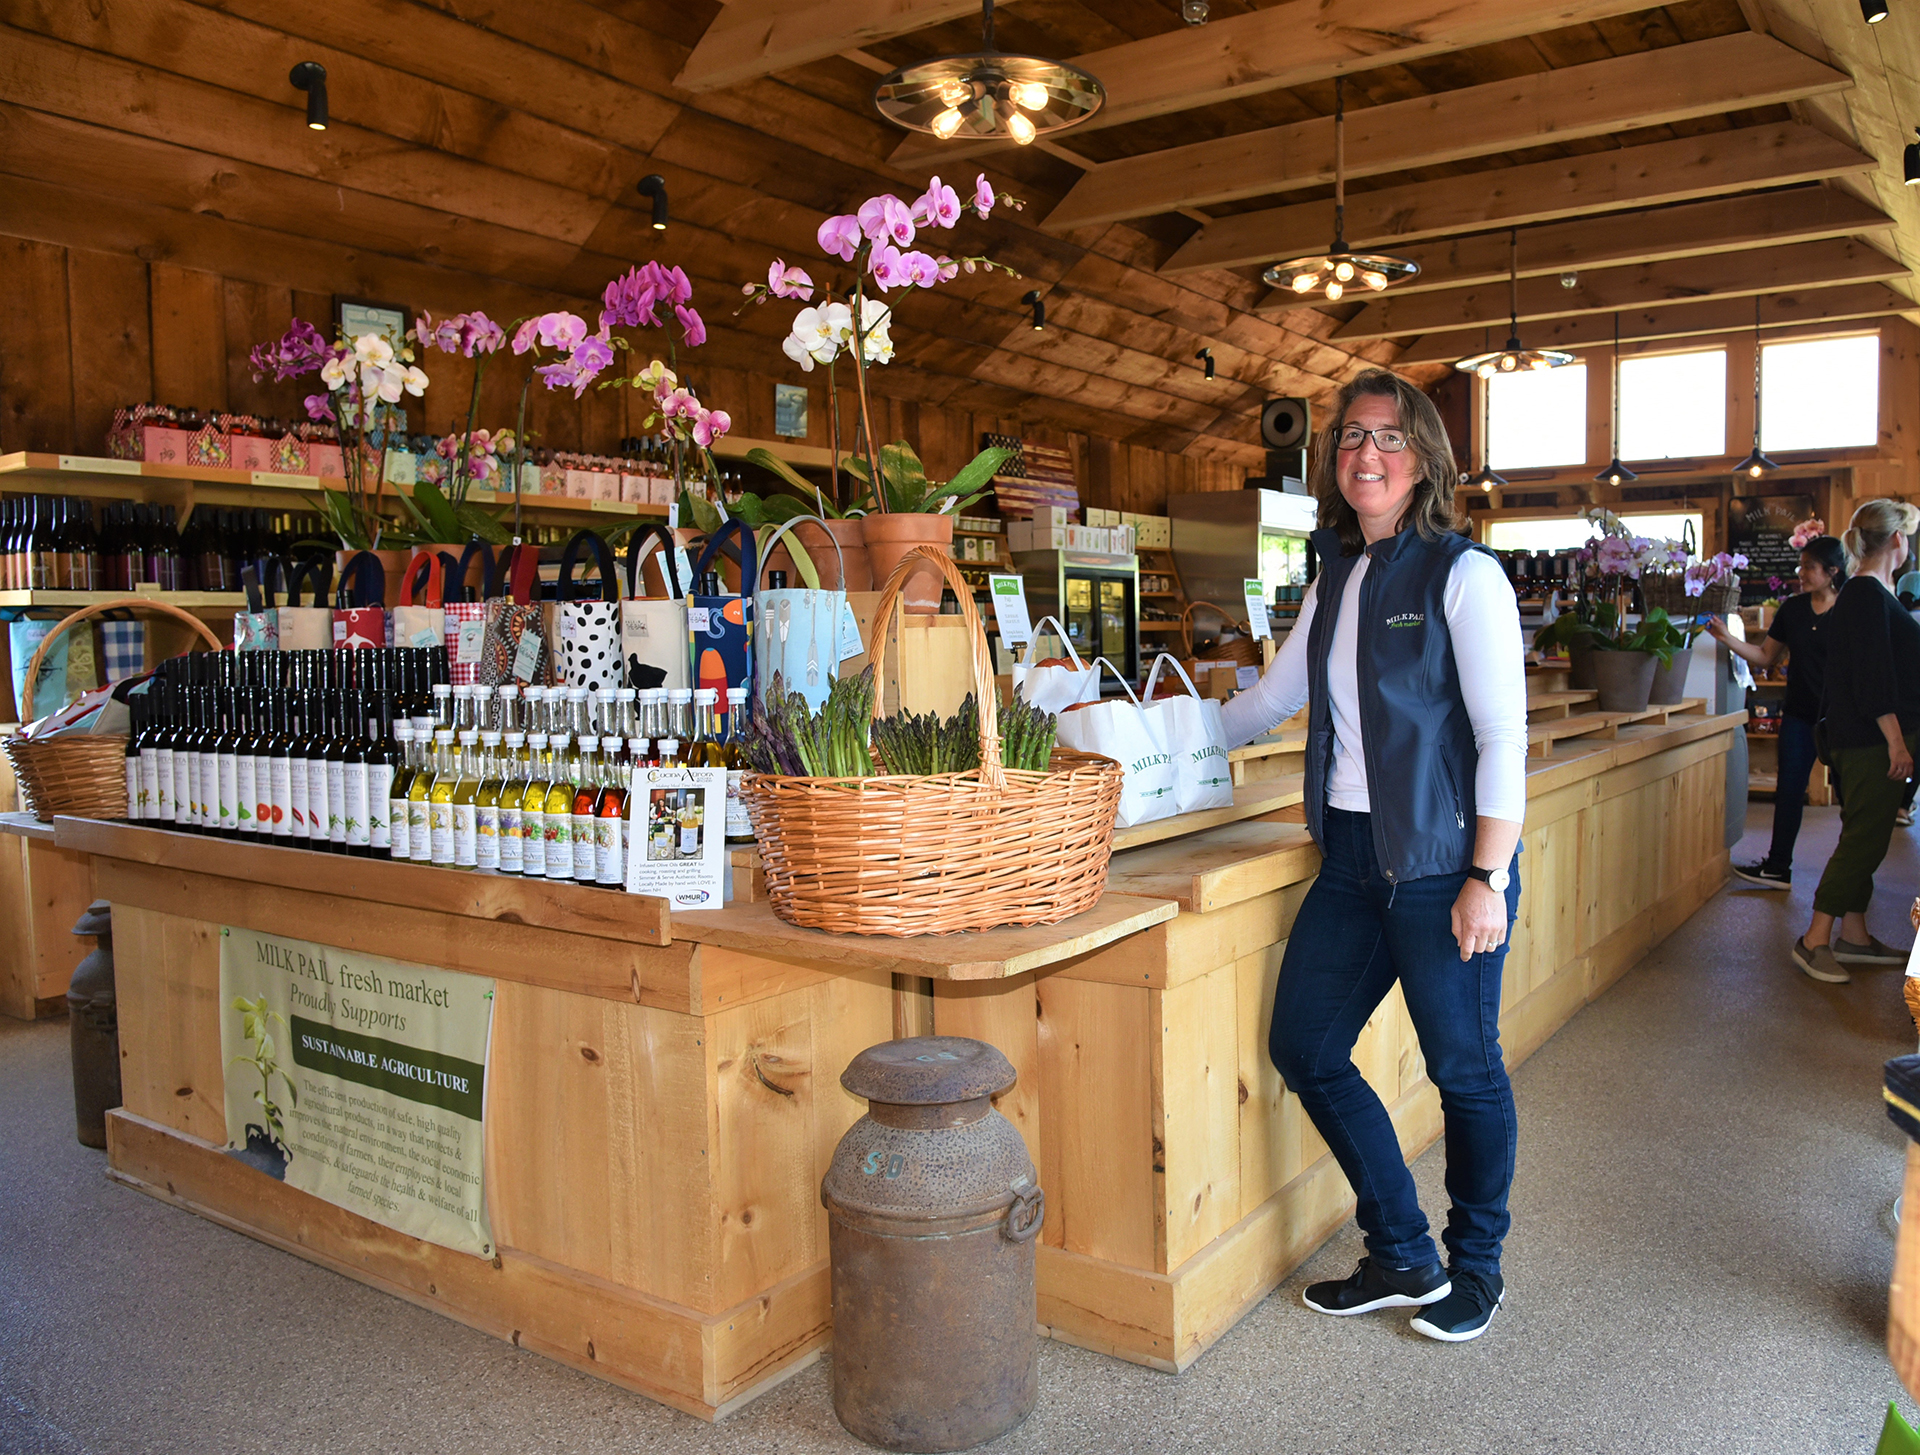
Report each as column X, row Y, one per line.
column 1813, row 972
column 1857, row 957
column 1760, row 882
column 1392, row 1300
column 1447, row 1337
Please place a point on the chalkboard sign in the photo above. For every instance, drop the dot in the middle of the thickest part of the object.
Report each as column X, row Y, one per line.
column 1758, row 528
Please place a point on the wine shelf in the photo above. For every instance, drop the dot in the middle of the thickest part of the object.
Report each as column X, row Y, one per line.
column 74, row 600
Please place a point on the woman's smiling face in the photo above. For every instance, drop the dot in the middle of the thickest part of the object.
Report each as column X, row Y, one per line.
column 1376, row 484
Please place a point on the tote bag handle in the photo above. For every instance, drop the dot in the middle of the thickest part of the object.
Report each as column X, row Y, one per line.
column 435, row 583
column 749, row 568
column 639, row 548
column 602, row 553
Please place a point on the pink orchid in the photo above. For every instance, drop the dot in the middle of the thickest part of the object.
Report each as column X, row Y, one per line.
column 524, row 335
column 628, row 300
column 949, row 269
column 593, row 354
column 841, row 237
column 983, row 198
column 920, row 268
column 886, row 217
column 710, row 425
column 673, row 284
column 562, row 330
column 696, row 329
column 479, row 334
column 563, row 373
column 320, row 407
column 785, row 282
column 888, row 265
column 940, row 207
column 680, row 404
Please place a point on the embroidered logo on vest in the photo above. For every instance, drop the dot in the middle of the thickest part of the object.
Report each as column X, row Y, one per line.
column 1406, row 618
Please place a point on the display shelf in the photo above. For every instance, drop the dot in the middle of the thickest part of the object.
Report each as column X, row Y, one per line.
column 1159, row 626
column 185, row 600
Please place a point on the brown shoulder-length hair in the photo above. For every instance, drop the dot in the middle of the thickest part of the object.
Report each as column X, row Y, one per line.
column 1430, row 508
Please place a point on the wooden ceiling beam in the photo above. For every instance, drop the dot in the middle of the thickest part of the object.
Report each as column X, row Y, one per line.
column 750, row 38
column 1824, row 264
column 1675, row 83
column 1677, row 320
column 1616, row 239
column 1291, row 43
column 1610, row 181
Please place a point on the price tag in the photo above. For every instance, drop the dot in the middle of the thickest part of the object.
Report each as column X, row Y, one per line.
column 99, row 465
column 480, row 495
column 425, row 638
column 526, row 660
column 569, row 627
column 684, row 567
column 697, row 620
column 618, row 507
column 673, row 516
column 1009, row 595
column 1257, row 609
column 466, row 649
column 850, row 643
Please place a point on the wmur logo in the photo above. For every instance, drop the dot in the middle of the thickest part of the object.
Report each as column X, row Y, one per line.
column 1406, row 618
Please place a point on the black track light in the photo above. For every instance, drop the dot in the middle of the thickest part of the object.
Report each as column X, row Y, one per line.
column 1615, row 473
column 1039, row 306
column 1913, row 160
column 1875, row 11
column 311, row 77
column 1205, row 356
column 655, row 186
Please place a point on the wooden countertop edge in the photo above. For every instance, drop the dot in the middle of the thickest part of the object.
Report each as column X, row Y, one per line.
column 1636, row 741
column 24, row 825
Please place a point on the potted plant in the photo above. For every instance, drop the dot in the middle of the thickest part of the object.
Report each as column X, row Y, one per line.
column 1623, row 664
column 266, row 1149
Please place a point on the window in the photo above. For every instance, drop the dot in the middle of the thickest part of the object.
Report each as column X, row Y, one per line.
column 1570, row 532
column 1820, row 394
column 1674, row 406
column 1537, row 418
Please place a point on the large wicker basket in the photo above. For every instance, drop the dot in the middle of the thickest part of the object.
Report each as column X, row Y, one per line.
column 1670, row 594
column 905, row 854
column 82, row 773
column 1240, row 650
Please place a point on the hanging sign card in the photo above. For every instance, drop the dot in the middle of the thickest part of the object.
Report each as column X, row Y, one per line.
column 677, row 836
column 361, row 1080
column 1009, row 595
column 1256, row 598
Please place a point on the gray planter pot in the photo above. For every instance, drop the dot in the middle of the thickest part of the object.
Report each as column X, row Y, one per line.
column 1580, row 663
column 1670, row 682
column 1624, row 679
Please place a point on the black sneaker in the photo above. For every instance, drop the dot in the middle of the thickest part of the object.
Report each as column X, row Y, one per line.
column 1373, row 1287
column 1764, row 874
column 1465, row 1313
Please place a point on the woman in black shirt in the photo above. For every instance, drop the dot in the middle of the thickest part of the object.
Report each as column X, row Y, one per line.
column 1798, row 632
column 1872, row 723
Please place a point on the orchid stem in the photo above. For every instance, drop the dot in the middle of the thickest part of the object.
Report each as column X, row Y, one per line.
column 860, row 386
column 520, row 450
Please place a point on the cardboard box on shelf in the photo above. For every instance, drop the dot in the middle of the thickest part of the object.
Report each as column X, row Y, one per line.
column 1048, row 517
column 1155, row 531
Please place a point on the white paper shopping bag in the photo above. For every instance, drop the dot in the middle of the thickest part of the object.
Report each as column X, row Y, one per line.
column 1123, row 731
column 1190, row 727
column 1055, row 688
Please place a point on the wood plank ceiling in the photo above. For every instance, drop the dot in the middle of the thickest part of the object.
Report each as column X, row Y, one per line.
column 1677, row 159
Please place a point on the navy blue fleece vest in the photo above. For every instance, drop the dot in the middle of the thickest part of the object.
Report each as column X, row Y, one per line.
column 1417, row 742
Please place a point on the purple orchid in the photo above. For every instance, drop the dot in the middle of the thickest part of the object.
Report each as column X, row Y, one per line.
column 920, row 269
column 889, row 266
column 940, row 207
column 983, row 198
column 886, row 218
column 524, row 336
column 320, row 408
column 695, row 326
column 561, row 330
column 629, row 300
column 841, row 237
column 300, row 350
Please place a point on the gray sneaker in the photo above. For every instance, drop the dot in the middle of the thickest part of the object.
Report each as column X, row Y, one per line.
column 1820, row 963
column 1871, row 953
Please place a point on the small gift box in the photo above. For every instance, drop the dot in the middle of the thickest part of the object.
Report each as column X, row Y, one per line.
column 324, row 459
column 288, row 456
column 211, row 447
column 162, row 445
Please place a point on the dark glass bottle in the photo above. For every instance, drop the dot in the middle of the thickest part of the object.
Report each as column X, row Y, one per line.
column 206, row 754
column 83, row 549
column 382, row 763
column 339, row 745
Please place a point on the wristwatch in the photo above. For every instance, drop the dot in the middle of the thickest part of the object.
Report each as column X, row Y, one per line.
column 1495, row 879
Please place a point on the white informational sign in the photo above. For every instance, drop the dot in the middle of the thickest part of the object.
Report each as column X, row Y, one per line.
column 1257, row 609
column 677, row 836
column 1009, row 595
column 361, row 1080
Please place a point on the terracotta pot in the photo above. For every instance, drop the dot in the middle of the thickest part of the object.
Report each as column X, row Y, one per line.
column 392, row 563
column 1625, row 679
column 1580, row 667
column 858, row 573
column 890, row 537
column 1670, row 681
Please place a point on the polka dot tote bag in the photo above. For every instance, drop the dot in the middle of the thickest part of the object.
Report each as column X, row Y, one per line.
column 590, row 628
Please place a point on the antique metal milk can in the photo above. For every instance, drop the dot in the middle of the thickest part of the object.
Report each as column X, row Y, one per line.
column 933, row 1210
column 93, row 1026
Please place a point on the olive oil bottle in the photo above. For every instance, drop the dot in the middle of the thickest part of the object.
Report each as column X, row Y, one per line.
column 465, row 801
column 609, row 819
column 513, row 789
column 486, row 804
column 533, row 808
column 399, row 835
column 559, row 814
column 446, row 777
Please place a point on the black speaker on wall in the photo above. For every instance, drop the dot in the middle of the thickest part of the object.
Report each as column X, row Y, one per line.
column 1286, row 425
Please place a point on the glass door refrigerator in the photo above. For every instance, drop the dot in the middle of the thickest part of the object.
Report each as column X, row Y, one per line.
column 1096, row 597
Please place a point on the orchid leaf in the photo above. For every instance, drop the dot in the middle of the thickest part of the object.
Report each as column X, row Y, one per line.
column 439, row 513
column 482, row 523
column 767, row 460
column 704, row 515
column 975, row 474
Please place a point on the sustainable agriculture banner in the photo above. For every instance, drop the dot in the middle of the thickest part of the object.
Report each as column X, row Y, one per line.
column 361, row 1080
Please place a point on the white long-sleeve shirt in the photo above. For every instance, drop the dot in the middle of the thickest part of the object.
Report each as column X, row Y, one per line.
column 1483, row 618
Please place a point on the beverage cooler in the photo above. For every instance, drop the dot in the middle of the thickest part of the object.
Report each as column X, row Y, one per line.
column 1096, row 597
column 1223, row 538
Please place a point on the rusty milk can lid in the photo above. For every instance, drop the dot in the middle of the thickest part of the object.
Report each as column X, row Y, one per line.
column 928, row 1071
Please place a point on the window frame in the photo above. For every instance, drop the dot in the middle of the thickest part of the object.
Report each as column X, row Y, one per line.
column 1726, row 402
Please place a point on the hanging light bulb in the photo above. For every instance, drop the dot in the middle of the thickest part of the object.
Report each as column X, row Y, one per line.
column 1616, row 473
column 947, row 123
column 1486, row 371
column 954, row 92
column 1030, row 94
column 1019, row 128
column 1339, row 265
column 1756, row 464
column 1194, row 12
column 1513, row 356
column 990, row 93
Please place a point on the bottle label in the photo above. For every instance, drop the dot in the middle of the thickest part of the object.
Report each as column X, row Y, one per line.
column 487, row 836
column 419, row 832
column 379, row 805
column 466, row 836
column 739, row 825
column 533, row 843
column 297, row 817
column 183, row 788
column 689, row 841
column 152, row 802
column 512, row 855
column 317, row 798
column 136, row 795
column 559, row 836
column 227, row 790
column 440, row 832
column 356, row 808
column 336, row 803
column 586, row 847
column 280, row 796
column 246, row 789
column 609, row 863
column 399, row 835
column 163, row 784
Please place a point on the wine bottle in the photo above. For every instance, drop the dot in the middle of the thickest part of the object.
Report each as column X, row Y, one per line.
column 139, row 797
column 399, row 838
column 338, row 748
column 279, row 769
column 246, row 800
column 383, row 766
column 226, row 749
column 320, row 809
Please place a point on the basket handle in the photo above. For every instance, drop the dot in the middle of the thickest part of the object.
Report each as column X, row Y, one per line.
column 40, row 652
column 1186, row 622
column 984, row 693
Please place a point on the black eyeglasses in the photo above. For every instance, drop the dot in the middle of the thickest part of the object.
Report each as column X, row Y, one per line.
column 1388, row 441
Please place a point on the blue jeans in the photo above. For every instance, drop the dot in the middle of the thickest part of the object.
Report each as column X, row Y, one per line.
column 1790, row 793
column 1355, row 935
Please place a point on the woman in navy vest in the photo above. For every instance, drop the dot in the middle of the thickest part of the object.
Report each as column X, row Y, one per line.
column 1409, row 659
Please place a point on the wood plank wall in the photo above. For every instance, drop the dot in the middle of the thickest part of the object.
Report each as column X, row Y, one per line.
column 83, row 332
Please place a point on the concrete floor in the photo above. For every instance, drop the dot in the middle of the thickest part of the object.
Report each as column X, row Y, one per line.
column 1699, row 1262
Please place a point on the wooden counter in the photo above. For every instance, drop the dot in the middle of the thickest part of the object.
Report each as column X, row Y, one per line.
column 45, row 890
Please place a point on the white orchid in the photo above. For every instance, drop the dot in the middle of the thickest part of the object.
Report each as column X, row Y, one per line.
column 876, row 318
column 334, row 373
column 415, row 380
column 373, row 348
column 818, row 335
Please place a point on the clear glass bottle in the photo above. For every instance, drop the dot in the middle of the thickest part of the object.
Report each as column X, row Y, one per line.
column 442, row 706
column 533, row 808
column 586, row 789
column 679, row 719
column 486, row 803
column 507, row 708
column 463, row 716
column 465, row 801
column 446, row 777
column 580, row 714
column 705, row 751
column 483, row 709
column 419, row 801
column 559, row 813
column 399, row 835
column 668, row 754
column 513, row 789
column 734, row 750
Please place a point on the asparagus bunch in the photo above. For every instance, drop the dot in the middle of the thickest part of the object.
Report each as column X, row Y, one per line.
column 789, row 739
column 922, row 743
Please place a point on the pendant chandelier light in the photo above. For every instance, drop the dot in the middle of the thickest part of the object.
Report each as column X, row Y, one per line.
column 1756, row 464
column 1513, row 358
column 1487, row 480
column 1615, row 473
column 989, row 94
column 1339, row 268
